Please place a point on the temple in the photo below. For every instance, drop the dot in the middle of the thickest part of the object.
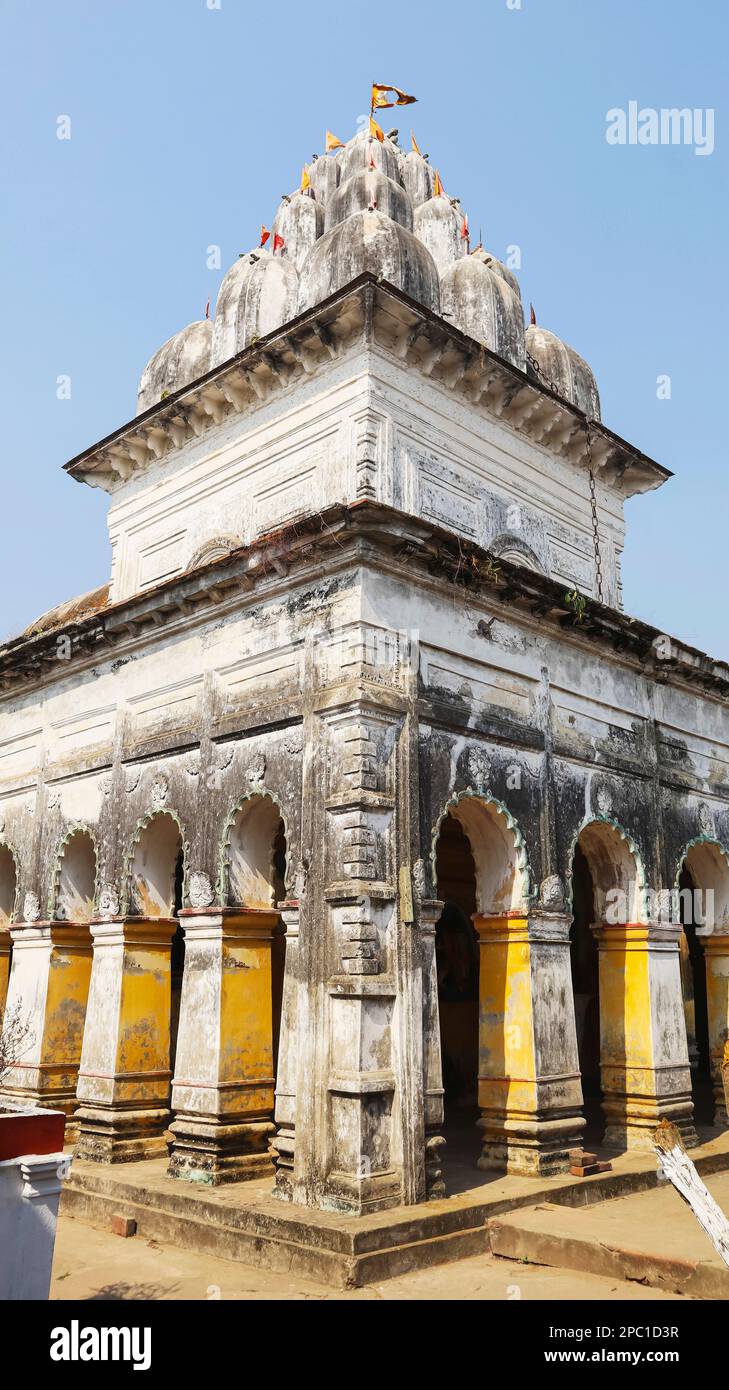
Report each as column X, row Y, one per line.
column 353, row 824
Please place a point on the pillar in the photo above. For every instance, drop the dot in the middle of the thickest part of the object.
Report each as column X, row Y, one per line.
column 529, row 1087
column 49, row 980
column 223, row 1091
column 644, row 1065
column 124, row 1078
column 285, row 1110
column 5, row 948
column 716, row 951
column 433, row 1109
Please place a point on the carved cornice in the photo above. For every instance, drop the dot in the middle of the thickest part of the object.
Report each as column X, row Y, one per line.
column 375, row 313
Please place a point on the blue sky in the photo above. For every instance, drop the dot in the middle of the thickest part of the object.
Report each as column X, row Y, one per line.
column 189, row 122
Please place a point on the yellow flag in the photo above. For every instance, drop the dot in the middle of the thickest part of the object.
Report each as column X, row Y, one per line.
column 333, row 143
column 305, row 180
column 438, row 189
column 414, row 143
column 376, row 131
column 380, row 94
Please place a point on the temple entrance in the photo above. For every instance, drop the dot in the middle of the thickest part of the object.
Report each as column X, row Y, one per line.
column 586, row 991
column 256, row 867
column 457, row 966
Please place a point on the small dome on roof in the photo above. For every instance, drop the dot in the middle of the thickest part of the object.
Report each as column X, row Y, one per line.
column 438, row 226
column 498, row 268
column 417, row 177
column 180, row 360
column 366, row 189
column 369, row 241
column 558, row 366
column 483, row 305
column 256, row 296
column 300, row 221
column 364, row 150
column 325, row 173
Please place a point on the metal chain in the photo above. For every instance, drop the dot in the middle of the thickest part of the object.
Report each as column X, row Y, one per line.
column 595, row 528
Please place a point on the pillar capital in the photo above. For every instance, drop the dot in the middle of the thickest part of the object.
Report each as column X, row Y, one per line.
column 636, row 936
column 229, row 923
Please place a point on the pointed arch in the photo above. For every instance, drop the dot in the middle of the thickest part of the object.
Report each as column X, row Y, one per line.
column 74, row 875
column 150, row 867
column 247, row 862
column 503, row 875
column 9, row 883
column 616, row 864
column 707, row 860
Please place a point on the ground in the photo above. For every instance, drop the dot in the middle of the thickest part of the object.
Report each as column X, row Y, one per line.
column 93, row 1264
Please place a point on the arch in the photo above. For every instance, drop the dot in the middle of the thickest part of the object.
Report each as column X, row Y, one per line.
column 214, row 549
column 708, row 864
column 247, row 869
column 503, row 877
column 155, row 871
column 508, row 546
column 616, row 866
column 74, row 876
column 9, row 884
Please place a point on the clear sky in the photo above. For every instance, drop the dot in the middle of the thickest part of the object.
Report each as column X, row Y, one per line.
column 188, row 122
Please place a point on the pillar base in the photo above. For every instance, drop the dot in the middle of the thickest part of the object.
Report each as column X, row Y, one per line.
column 214, row 1152
column 529, row 1147
column 121, row 1136
column 283, row 1147
column 630, row 1121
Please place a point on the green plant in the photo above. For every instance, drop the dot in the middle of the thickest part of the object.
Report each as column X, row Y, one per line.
column 577, row 603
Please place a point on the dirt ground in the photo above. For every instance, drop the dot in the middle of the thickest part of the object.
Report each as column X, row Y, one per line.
column 94, row 1264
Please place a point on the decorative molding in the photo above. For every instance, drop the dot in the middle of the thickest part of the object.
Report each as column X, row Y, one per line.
column 73, row 828
column 140, row 827
column 487, row 798
column 200, row 889
column 31, row 907
column 257, row 792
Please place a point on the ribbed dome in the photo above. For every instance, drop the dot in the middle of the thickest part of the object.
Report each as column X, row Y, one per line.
column 498, row 268
column 300, row 221
column 361, row 191
column 258, row 294
column 482, row 304
column 358, row 152
column 561, row 368
column 438, row 226
column 369, row 241
column 179, row 361
column 418, row 178
column 325, row 173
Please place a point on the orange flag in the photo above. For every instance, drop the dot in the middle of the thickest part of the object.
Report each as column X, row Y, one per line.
column 380, row 93
column 265, row 234
column 376, row 131
column 464, row 228
column 414, row 143
column 278, row 243
column 438, row 189
column 305, row 180
column 332, row 143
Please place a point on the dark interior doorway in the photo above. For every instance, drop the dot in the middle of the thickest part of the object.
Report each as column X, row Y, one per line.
column 693, row 983
column 457, row 964
column 177, row 961
column 584, row 960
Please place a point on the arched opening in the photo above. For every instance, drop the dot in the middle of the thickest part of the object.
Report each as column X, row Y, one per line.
column 8, row 894
column 482, row 880
column 156, row 890
column 256, row 873
column 703, row 900
column 607, row 883
column 586, row 992
column 76, row 878
column 8, row 885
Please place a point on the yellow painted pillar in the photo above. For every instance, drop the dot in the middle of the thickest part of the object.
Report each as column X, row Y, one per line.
column 529, row 1089
column 49, row 983
column 644, row 1065
column 716, row 951
column 5, row 947
column 223, row 1091
column 124, row 1078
